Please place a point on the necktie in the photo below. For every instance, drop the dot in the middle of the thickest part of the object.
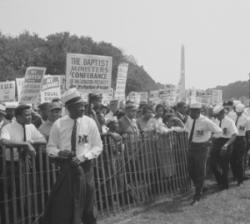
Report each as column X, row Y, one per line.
column 192, row 132
column 237, row 121
column 220, row 123
column 24, row 133
column 73, row 137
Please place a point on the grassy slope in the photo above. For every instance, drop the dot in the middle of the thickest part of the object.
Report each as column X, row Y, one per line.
column 227, row 207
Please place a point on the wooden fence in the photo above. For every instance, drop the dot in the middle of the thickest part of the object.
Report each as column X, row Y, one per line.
column 137, row 171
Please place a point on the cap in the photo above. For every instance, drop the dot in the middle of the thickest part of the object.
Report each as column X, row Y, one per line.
column 113, row 102
column 55, row 105
column 240, row 108
column 11, row 105
column 131, row 106
column 195, row 105
column 72, row 96
column 218, row 109
column 236, row 102
column 2, row 109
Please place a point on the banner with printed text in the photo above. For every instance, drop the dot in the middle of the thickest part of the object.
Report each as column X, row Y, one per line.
column 32, row 85
column 144, row 96
column 51, row 88
column 89, row 73
column 19, row 85
column 121, row 81
column 62, row 83
column 7, row 91
column 153, row 95
column 106, row 98
column 135, row 97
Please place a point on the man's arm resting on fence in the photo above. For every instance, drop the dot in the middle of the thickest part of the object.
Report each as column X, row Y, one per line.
column 27, row 145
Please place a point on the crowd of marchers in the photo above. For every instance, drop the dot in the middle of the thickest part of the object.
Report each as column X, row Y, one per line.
column 73, row 130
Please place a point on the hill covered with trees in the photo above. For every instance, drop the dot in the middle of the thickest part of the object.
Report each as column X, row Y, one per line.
column 18, row 53
column 235, row 90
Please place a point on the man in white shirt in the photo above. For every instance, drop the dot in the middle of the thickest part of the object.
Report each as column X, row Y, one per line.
column 239, row 146
column 75, row 140
column 221, row 150
column 199, row 128
column 19, row 133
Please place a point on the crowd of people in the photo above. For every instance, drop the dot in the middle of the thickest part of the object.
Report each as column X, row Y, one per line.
column 74, row 140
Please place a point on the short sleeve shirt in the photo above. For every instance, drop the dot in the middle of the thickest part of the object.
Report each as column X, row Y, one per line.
column 243, row 124
column 15, row 132
column 228, row 127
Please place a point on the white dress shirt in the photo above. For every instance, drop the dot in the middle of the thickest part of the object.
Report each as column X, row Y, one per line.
column 88, row 144
column 15, row 132
column 228, row 127
column 243, row 125
column 232, row 114
column 247, row 112
column 203, row 129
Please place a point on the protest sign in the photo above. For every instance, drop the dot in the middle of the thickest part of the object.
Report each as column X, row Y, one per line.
column 144, row 96
column 153, row 95
column 121, row 81
column 89, row 73
column 62, row 83
column 32, row 84
column 50, row 88
column 7, row 91
column 19, row 85
column 135, row 97
column 106, row 98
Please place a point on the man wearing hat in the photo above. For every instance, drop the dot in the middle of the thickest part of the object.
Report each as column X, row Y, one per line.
column 127, row 124
column 239, row 146
column 113, row 105
column 10, row 112
column 75, row 141
column 199, row 128
column 210, row 113
column 142, row 104
column 221, row 150
column 96, row 101
column 55, row 111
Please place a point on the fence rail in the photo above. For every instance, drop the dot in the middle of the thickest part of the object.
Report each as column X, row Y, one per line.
column 127, row 174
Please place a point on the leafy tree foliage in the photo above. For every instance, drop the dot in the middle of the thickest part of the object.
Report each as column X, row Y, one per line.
column 235, row 90
column 18, row 53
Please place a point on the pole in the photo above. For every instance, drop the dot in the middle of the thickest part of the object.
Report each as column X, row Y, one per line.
column 89, row 109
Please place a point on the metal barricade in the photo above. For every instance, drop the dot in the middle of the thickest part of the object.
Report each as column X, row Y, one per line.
column 127, row 174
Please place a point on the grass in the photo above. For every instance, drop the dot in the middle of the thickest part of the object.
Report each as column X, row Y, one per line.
column 227, row 207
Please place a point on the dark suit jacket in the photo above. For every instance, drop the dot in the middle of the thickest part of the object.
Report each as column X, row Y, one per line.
column 125, row 127
column 37, row 122
column 179, row 117
column 93, row 115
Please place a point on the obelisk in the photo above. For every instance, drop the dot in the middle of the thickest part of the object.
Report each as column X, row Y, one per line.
column 182, row 81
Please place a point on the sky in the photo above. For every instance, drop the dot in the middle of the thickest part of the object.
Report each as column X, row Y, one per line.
column 215, row 34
